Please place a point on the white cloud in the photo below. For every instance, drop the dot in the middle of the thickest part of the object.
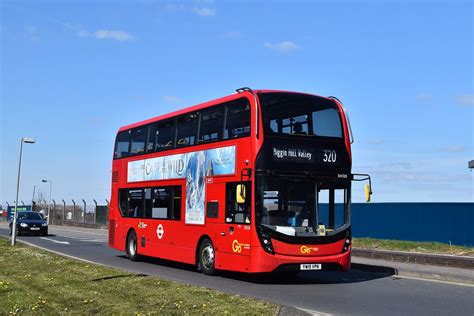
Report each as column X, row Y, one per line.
column 83, row 33
column 115, row 35
column 376, row 142
column 199, row 10
column 465, row 100
column 282, row 47
column 425, row 98
column 205, row 11
column 174, row 6
column 452, row 149
column 171, row 98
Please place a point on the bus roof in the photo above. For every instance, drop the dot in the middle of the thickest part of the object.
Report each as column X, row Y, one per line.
column 207, row 104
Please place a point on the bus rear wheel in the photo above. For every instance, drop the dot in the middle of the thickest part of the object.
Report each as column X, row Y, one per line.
column 131, row 246
column 207, row 257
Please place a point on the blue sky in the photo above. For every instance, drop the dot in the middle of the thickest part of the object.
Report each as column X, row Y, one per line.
column 73, row 72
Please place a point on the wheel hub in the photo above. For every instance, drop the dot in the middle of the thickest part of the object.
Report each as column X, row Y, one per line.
column 207, row 257
column 132, row 246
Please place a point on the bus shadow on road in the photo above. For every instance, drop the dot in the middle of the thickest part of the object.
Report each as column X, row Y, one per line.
column 316, row 277
column 358, row 273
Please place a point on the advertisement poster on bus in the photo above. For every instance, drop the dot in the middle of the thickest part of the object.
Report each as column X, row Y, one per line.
column 194, row 167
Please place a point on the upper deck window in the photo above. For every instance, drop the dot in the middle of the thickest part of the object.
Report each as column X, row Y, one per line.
column 137, row 141
column 238, row 119
column 187, row 128
column 164, row 135
column 121, row 144
column 300, row 115
column 212, row 121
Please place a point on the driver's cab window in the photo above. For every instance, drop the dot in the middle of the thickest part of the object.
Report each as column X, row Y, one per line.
column 238, row 207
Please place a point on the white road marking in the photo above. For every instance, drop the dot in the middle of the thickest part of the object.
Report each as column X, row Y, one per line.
column 63, row 254
column 95, row 240
column 56, row 241
column 313, row 312
column 432, row 280
column 79, row 231
column 86, row 239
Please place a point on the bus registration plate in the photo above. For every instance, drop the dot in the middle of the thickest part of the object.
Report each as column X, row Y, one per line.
column 311, row 266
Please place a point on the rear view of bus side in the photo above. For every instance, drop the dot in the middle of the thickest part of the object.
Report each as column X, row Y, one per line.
column 258, row 181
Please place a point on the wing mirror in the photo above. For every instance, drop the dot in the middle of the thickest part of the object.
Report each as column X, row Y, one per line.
column 240, row 194
column 368, row 192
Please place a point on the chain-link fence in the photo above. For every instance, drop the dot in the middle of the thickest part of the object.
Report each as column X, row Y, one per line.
column 73, row 212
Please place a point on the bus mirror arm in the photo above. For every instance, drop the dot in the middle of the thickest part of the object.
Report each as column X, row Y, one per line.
column 246, row 172
column 368, row 187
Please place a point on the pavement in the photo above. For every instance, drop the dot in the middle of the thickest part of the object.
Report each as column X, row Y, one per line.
column 422, row 271
column 373, row 287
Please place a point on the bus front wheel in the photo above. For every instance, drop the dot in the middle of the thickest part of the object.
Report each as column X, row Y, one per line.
column 207, row 257
column 131, row 246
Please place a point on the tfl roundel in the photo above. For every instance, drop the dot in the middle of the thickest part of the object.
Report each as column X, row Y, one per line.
column 160, row 231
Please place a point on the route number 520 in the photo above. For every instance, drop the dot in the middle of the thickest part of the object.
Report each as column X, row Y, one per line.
column 329, row 155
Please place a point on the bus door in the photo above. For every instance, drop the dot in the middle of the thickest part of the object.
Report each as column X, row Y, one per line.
column 234, row 243
column 163, row 208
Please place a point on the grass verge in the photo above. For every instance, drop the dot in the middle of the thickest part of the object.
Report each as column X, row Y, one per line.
column 33, row 281
column 413, row 246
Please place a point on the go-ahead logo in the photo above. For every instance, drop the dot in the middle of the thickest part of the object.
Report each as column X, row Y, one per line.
column 307, row 250
column 237, row 247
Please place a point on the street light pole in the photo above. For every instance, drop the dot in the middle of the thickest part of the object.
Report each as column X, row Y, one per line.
column 27, row 141
column 33, row 199
column 49, row 204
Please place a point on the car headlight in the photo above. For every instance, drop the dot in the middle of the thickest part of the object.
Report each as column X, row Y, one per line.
column 24, row 225
column 44, row 224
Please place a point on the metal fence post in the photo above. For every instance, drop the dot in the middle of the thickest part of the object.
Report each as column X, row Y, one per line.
column 84, row 211
column 95, row 211
column 73, row 210
column 44, row 205
column 108, row 211
column 64, row 209
column 54, row 207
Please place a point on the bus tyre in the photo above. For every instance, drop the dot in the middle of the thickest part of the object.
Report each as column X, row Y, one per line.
column 207, row 257
column 131, row 246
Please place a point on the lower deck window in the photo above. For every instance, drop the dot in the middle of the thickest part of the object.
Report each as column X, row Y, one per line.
column 155, row 202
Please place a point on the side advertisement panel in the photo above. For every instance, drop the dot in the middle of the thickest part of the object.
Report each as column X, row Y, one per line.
column 192, row 166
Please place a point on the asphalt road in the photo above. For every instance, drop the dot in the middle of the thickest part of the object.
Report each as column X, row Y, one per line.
column 341, row 293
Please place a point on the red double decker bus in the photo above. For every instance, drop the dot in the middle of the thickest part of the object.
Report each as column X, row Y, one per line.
column 257, row 181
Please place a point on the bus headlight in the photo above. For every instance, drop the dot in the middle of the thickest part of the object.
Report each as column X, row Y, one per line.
column 266, row 241
column 347, row 244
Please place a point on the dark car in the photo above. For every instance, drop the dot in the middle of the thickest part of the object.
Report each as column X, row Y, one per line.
column 30, row 223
